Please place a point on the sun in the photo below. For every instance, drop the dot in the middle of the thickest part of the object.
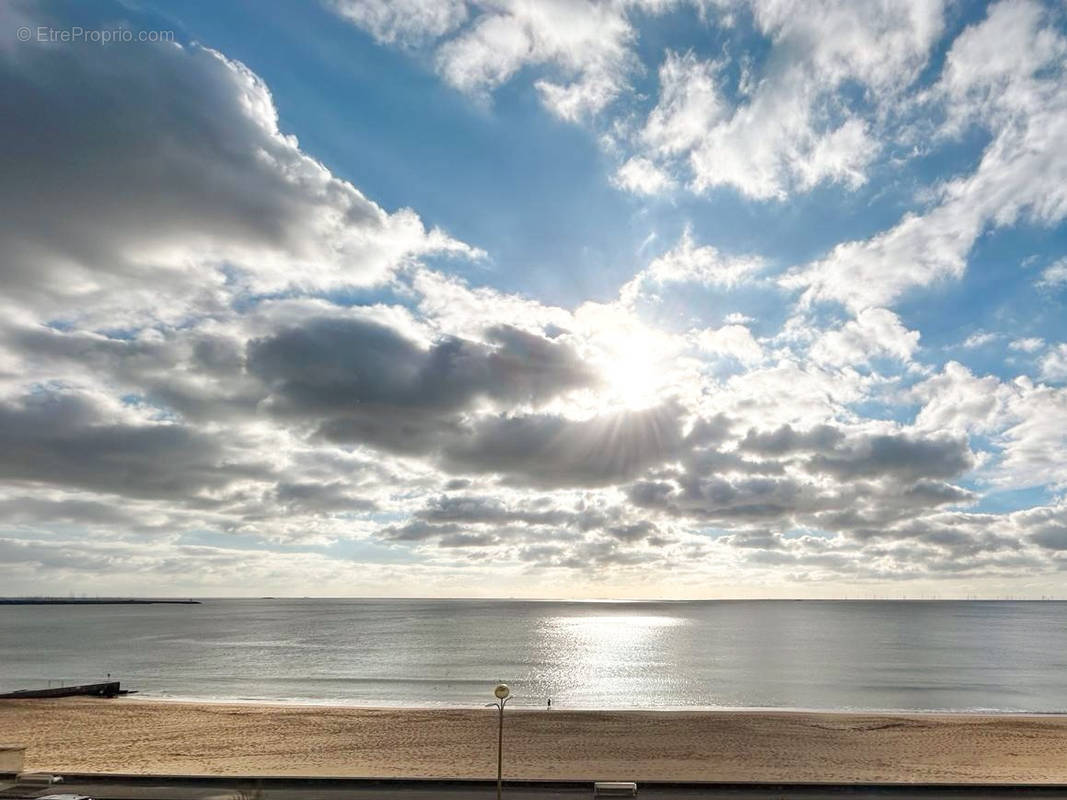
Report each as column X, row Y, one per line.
column 637, row 364
column 633, row 374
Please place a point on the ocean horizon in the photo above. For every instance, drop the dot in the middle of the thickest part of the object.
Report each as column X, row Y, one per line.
column 833, row 655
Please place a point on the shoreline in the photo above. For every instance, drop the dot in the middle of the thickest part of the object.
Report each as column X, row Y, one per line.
column 141, row 697
column 139, row 735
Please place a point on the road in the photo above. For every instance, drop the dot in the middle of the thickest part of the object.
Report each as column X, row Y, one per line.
column 101, row 787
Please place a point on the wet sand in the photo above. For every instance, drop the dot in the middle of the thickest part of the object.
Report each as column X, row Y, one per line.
column 125, row 735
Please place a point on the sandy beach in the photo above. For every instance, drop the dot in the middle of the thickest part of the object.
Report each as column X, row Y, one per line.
column 87, row 735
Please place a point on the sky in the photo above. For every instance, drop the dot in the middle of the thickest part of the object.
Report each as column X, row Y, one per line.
column 533, row 298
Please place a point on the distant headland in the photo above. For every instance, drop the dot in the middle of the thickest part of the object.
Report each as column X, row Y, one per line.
column 89, row 601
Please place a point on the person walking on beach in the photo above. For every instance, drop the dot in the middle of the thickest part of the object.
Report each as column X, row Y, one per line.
column 550, row 704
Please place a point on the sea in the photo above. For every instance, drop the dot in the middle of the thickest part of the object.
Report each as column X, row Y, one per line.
column 761, row 654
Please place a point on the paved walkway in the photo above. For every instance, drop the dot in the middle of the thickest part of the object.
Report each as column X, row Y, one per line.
column 177, row 788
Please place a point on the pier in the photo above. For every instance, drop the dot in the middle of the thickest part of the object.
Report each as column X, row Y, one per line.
column 106, row 689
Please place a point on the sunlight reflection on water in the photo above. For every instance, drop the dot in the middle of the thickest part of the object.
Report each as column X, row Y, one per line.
column 619, row 656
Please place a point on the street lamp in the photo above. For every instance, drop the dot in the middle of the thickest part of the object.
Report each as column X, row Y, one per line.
column 503, row 694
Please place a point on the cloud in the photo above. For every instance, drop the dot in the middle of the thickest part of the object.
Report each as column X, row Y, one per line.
column 731, row 340
column 36, row 511
column 641, row 176
column 550, row 450
column 979, row 339
column 918, row 251
column 790, row 128
column 688, row 262
column 1020, row 417
column 1045, row 526
column 827, row 477
column 347, row 364
column 587, row 43
column 689, row 105
column 582, row 49
column 958, row 401
column 1055, row 274
column 1034, row 437
column 71, row 439
column 1021, row 99
column 196, row 570
column 315, row 497
column 900, row 456
column 135, row 210
column 538, row 518
column 726, row 499
column 875, row 332
column 539, row 531
column 487, row 510
column 404, row 21
column 992, row 65
column 1054, row 364
column 357, row 380
column 786, row 440
column 1029, row 344
column 856, row 456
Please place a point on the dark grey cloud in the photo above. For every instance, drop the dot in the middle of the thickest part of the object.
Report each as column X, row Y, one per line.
column 963, row 535
column 787, row 441
column 216, row 354
column 1051, row 538
column 313, row 496
column 634, row 531
column 418, row 531
column 361, row 381
column 550, row 450
column 729, row 498
column 948, row 543
column 195, row 374
column 747, row 495
column 489, row 510
column 483, row 539
column 44, row 555
column 542, row 553
column 63, row 439
column 870, row 508
column 96, row 169
column 1046, row 526
column 930, row 493
column 836, row 562
column 902, row 456
column 756, row 540
column 833, row 450
column 537, row 529
column 588, row 555
column 350, row 365
column 30, row 510
column 704, row 461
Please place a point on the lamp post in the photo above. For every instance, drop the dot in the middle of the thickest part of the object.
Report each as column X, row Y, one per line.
column 503, row 694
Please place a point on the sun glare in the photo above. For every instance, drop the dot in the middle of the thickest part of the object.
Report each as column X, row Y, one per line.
column 633, row 375
column 632, row 383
